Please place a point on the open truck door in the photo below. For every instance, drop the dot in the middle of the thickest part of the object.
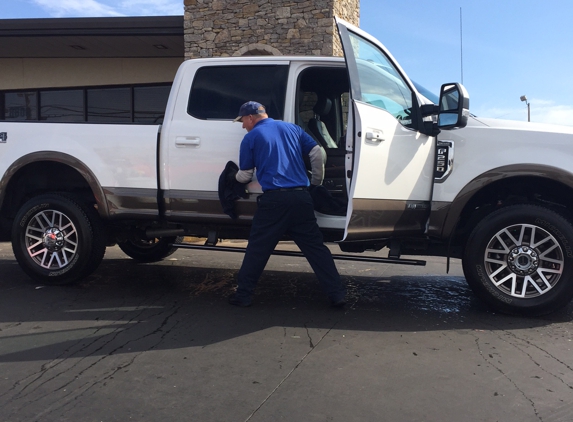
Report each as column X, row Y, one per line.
column 389, row 161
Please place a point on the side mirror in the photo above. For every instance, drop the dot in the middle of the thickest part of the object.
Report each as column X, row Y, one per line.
column 454, row 106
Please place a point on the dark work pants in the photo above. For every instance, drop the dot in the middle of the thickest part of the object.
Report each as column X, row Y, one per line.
column 291, row 213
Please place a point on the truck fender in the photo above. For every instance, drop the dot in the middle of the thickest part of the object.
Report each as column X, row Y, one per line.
column 63, row 158
column 455, row 209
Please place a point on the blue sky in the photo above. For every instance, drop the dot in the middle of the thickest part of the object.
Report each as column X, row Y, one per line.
column 510, row 47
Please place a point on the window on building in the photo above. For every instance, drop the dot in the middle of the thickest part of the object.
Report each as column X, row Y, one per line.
column 20, row 106
column 143, row 104
column 62, row 106
column 219, row 91
column 149, row 103
column 109, row 105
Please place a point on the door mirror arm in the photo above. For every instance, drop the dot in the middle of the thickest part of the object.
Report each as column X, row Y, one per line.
column 427, row 117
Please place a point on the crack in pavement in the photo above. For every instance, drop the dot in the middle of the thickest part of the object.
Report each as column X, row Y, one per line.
column 309, row 337
column 312, row 347
column 44, row 369
column 111, row 374
column 569, row 367
column 481, row 353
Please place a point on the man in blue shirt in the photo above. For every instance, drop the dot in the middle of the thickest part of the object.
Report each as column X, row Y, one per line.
column 275, row 149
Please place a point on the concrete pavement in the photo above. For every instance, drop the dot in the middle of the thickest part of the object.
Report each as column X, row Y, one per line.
column 151, row 342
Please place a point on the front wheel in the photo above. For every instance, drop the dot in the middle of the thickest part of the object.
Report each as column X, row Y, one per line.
column 57, row 239
column 150, row 250
column 519, row 259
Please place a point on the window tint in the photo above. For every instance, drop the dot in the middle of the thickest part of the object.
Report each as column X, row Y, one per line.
column 149, row 103
column 20, row 106
column 112, row 105
column 218, row 92
column 62, row 106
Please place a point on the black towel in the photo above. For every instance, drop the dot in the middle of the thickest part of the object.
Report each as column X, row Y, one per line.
column 230, row 189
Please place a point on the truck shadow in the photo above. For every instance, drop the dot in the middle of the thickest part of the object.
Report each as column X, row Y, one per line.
column 127, row 307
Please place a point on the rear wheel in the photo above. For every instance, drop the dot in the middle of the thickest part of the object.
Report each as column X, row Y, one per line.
column 519, row 259
column 57, row 239
column 150, row 250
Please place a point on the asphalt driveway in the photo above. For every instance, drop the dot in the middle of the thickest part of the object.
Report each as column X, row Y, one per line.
column 158, row 342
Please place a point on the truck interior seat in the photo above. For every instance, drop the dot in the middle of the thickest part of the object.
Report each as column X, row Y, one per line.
column 317, row 126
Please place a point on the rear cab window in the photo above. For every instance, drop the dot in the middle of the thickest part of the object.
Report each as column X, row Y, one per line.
column 218, row 92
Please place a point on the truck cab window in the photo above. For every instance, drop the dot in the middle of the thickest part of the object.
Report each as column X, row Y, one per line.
column 380, row 83
column 218, row 91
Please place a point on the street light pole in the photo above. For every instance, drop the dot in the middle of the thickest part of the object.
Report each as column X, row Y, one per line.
column 524, row 98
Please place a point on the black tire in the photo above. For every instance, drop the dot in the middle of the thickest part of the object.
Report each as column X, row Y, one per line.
column 149, row 250
column 58, row 240
column 519, row 260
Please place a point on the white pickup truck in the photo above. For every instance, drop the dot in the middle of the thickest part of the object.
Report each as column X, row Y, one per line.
column 416, row 174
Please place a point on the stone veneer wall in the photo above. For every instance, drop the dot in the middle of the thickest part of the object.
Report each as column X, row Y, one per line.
column 265, row 27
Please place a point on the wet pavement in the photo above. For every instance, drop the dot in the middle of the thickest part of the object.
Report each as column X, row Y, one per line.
column 149, row 342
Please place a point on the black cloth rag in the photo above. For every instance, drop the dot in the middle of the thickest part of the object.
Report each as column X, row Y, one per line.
column 230, row 189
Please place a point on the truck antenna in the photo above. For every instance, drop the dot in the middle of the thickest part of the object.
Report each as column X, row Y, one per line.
column 461, row 47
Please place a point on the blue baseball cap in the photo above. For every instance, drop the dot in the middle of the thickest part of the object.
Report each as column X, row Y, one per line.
column 250, row 107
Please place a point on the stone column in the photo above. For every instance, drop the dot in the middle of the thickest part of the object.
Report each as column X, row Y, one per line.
column 219, row 28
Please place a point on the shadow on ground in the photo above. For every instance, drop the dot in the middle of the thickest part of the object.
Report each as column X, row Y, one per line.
column 130, row 307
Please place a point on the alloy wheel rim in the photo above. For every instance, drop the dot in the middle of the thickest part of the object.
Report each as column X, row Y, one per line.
column 51, row 239
column 524, row 261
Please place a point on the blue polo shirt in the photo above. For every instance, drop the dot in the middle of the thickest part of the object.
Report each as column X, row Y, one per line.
column 276, row 150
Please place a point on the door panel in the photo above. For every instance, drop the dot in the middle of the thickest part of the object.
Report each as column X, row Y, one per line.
column 392, row 177
column 201, row 136
column 390, row 164
column 395, row 164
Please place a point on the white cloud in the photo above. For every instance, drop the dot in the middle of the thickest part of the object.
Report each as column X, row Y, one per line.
column 103, row 8
column 152, row 7
column 542, row 111
column 76, row 8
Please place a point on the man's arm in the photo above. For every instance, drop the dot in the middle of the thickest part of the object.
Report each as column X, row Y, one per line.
column 245, row 160
column 244, row 176
column 317, row 157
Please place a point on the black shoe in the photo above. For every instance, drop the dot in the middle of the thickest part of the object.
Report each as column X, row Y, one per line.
column 237, row 302
column 338, row 303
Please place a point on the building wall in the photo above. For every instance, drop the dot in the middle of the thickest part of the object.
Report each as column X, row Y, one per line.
column 259, row 27
column 52, row 73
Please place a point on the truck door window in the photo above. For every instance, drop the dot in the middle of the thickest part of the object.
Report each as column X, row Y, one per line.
column 218, row 91
column 380, row 84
